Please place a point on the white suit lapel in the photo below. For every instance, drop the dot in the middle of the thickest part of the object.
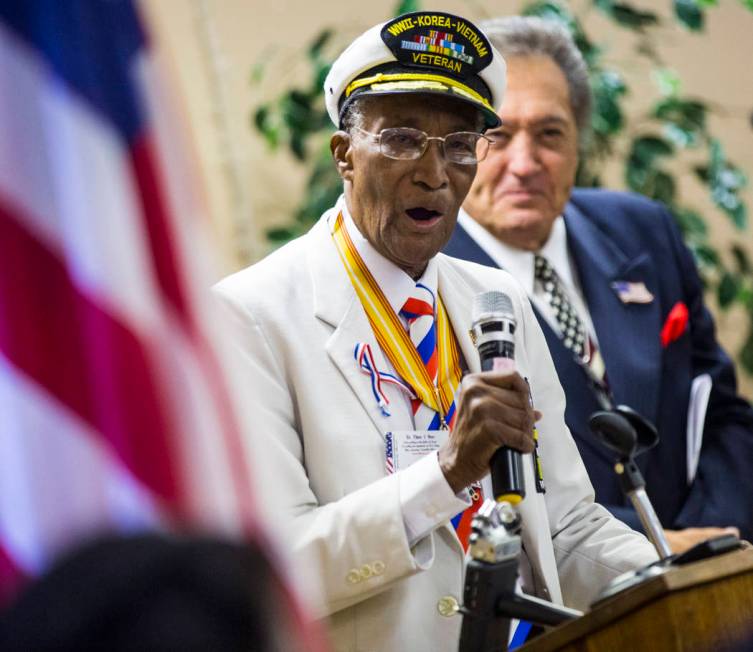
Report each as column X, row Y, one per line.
column 457, row 297
column 336, row 304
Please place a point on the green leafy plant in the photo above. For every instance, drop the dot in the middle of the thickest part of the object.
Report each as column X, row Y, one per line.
column 298, row 121
column 652, row 148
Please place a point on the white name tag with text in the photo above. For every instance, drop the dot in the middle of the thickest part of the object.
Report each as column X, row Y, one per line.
column 404, row 447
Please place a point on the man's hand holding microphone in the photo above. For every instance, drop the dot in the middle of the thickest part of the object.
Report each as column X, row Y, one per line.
column 496, row 418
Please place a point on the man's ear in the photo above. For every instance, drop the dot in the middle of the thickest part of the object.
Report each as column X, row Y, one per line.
column 342, row 151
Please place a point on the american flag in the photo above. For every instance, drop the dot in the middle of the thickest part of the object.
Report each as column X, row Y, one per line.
column 632, row 292
column 115, row 411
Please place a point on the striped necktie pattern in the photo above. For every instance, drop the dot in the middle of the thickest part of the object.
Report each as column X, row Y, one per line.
column 419, row 311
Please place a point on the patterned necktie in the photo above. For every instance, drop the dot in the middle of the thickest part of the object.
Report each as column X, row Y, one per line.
column 572, row 331
column 571, row 328
column 419, row 311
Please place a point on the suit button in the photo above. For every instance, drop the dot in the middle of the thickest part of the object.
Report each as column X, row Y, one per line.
column 378, row 567
column 447, row 606
column 353, row 576
column 366, row 572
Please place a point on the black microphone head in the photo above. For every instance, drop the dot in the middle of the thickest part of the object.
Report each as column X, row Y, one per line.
column 493, row 304
column 647, row 436
column 614, row 431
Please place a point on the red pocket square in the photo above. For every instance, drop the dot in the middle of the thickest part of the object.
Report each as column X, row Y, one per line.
column 677, row 320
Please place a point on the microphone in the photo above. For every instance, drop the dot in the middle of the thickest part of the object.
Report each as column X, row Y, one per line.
column 493, row 331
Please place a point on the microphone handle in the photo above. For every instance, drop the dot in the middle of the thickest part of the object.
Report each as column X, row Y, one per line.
column 506, row 464
column 507, row 475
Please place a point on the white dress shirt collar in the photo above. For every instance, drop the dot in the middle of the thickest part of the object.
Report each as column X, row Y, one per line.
column 516, row 261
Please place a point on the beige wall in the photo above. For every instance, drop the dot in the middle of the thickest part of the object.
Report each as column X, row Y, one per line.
column 216, row 44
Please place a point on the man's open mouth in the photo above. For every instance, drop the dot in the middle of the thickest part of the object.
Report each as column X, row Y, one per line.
column 421, row 213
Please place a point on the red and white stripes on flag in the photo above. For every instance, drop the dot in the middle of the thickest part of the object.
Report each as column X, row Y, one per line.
column 115, row 412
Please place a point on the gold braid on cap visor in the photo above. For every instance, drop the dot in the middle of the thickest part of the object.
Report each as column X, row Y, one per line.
column 416, row 81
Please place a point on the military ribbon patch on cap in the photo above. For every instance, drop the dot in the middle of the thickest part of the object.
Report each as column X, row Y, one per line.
column 438, row 41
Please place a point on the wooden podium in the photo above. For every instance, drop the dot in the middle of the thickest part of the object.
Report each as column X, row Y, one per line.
column 706, row 605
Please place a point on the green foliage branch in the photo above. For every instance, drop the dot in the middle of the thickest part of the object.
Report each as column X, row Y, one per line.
column 673, row 125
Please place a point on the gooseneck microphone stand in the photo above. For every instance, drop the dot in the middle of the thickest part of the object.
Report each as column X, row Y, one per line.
column 489, row 599
column 627, row 434
column 618, row 429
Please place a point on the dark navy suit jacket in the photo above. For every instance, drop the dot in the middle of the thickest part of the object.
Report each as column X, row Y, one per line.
column 615, row 236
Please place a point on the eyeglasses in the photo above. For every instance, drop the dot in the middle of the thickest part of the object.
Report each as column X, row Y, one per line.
column 406, row 144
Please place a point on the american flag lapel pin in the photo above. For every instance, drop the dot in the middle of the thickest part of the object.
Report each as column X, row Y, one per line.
column 632, row 292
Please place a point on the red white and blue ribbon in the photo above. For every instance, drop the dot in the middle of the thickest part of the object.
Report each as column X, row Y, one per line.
column 365, row 359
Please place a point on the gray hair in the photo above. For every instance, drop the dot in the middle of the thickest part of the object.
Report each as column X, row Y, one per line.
column 355, row 114
column 520, row 36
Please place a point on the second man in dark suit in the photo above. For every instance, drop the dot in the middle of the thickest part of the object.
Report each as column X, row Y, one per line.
column 616, row 292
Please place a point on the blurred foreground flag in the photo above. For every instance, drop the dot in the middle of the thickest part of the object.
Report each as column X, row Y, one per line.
column 115, row 412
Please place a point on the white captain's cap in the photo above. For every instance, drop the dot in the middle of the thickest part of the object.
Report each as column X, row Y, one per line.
column 421, row 52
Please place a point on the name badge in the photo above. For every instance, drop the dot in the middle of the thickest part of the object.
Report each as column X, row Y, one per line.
column 404, row 447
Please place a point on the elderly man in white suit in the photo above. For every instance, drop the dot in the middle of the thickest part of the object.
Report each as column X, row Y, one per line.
column 325, row 320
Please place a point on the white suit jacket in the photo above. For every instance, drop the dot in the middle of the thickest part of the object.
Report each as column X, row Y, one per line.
column 300, row 322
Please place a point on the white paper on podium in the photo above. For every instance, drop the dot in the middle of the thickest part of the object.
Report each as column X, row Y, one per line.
column 700, row 391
